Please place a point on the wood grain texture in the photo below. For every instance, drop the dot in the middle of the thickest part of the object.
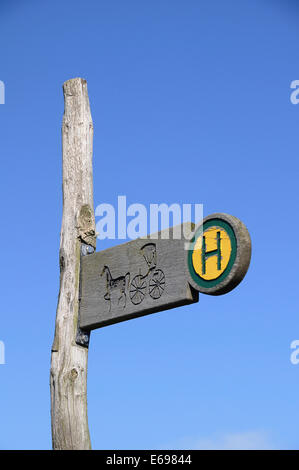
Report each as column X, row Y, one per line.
column 134, row 279
column 68, row 376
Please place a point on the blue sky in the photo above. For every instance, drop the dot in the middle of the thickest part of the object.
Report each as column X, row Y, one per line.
column 191, row 104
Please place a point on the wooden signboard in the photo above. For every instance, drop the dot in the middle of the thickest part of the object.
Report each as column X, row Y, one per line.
column 156, row 273
column 137, row 278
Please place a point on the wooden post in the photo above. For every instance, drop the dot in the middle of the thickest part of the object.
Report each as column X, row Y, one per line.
column 68, row 376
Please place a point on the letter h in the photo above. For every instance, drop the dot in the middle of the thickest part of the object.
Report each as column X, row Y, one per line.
column 206, row 254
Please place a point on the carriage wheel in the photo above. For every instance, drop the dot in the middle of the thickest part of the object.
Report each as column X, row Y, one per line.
column 157, row 284
column 137, row 289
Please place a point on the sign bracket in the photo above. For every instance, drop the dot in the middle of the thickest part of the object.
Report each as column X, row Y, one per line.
column 83, row 335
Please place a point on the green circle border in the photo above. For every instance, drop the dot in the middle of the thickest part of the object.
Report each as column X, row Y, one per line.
column 230, row 231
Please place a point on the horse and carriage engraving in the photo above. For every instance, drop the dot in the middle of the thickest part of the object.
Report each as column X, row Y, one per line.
column 151, row 283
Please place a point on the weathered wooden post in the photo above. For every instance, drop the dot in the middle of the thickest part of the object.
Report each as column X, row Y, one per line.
column 68, row 376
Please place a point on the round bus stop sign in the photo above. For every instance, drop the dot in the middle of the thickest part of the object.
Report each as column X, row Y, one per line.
column 218, row 254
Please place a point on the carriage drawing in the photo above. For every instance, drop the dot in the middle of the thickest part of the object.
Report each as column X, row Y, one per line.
column 153, row 282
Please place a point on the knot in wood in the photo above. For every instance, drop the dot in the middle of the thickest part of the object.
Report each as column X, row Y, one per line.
column 74, row 374
column 86, row 226
column 61, row 262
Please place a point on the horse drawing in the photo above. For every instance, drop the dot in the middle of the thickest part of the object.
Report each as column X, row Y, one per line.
column 119, row 284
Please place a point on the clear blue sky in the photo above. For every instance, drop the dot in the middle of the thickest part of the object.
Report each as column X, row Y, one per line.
column 190, row 103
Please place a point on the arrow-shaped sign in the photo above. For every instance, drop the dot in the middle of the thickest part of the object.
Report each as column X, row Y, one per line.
column 163, row 271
